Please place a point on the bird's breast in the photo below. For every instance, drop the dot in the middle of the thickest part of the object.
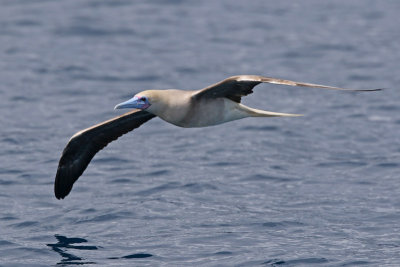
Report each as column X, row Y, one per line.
column 204, row 113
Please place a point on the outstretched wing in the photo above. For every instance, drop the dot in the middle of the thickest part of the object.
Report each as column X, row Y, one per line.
column 237, row 86
column 83, row 145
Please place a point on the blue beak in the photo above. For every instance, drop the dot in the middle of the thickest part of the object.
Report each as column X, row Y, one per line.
column 134, row 102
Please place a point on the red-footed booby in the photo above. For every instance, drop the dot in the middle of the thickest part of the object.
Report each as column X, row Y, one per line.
column 215, row 104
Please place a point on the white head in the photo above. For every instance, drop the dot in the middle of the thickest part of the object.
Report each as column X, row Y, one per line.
column 141, row 100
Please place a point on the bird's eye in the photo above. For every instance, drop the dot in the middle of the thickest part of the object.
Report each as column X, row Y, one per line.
column 143, row 99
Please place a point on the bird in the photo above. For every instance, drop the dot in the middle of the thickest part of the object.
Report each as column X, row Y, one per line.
column 216, row 104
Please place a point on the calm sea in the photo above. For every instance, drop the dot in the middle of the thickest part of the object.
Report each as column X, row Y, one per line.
column 318, row 190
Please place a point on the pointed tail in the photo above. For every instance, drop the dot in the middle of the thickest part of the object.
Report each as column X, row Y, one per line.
column 252, row 112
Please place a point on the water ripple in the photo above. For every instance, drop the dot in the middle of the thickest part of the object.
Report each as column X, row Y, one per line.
column 283, row 224
column 318, row 191
column 91, row 31
column 158, row 189
column 263, row 177
column 304, row 261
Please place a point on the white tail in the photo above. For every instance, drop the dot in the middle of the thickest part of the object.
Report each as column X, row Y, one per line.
column 252, row 112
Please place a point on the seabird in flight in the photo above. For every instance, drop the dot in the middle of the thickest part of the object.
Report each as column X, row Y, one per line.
column 215, row 104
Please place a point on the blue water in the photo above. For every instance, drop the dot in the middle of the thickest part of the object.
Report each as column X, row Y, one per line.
column 318, row 190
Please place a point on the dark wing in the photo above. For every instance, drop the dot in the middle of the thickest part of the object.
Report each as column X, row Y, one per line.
column 82, row 147
column 237, row 86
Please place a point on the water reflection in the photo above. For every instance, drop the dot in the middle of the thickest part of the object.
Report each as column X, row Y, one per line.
column 65, row 243
column 133, row 256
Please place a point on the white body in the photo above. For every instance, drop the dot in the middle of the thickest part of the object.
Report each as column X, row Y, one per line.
column 179, row 108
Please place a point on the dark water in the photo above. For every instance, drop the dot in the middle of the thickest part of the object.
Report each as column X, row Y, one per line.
column 320, row 190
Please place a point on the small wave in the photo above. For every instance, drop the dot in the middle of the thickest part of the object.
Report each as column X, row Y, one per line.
column 120, row 181
column 114, row 78
column 378, row 118
column 114, row 3
column 388, row 165
column 27, row 23
column 25, row 224
column 341, row 47
column 73, row 69
column 199, row 187
column 105, row 217
column 7, row 182
column 260, row 128
column 283, row 224
column 5, row 243
column 222, row 164
column 158, row 189
column 155, row 173
column 359, row 77
column 296, row 261
column 341, row 164
column 90, row 31
column 355, row 263
column 223, row 253
column 8, row 218
column 186, row 70
column 263, row 177
column 388, row 107
column 22, row 98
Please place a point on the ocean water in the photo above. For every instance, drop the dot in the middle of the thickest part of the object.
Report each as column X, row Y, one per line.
column 318, row 190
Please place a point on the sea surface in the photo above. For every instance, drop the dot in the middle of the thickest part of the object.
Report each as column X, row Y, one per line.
column 317, row 190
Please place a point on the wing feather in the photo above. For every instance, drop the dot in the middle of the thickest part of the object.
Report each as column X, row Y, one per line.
column 84, row 145
column 236, row 87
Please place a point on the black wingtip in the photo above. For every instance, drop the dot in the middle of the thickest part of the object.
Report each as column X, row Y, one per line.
column 369, row 90
column 61, row 185
column 58, row 194
column 61, row 193
column 59, row 197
